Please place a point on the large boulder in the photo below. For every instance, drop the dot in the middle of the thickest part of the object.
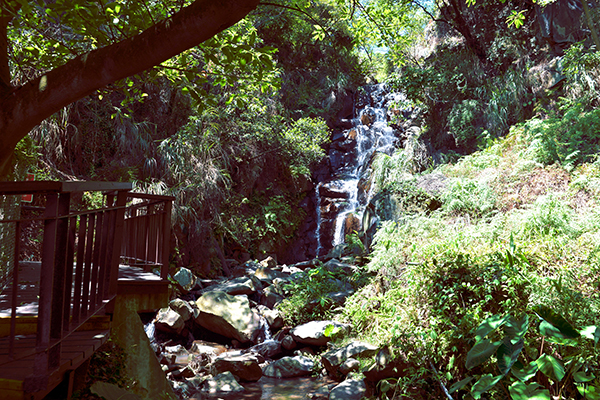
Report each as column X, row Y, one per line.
column 245, row 366
column 351, row 389
column 289, row 367
column 313, row 333
column 230, row 316
column 333, row 359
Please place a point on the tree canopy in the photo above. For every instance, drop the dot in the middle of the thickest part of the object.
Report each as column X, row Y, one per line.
column 53, row 53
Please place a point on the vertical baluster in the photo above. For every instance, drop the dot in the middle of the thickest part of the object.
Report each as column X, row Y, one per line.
column 95, row 263
column 46, row 279
column 87, row 274
column 166, row 239
column 15, row 284
column 150, row 254
column 69, row 290
column 115, row 257
column 79, row 269
column 102, row 261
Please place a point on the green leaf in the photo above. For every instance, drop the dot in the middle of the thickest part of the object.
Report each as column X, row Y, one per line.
column 460, row 385
column 484, row 384
column 508, row 353
column 489, row 325
column 521, row 391
column 551, row 367
column 555, row 327
column 582, row 377
column 523, row 373
column 590, row 392
column 516, row 329
column 481, row 352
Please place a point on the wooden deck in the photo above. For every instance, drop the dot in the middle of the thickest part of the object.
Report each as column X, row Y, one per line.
column 56, row 312
column 78, row 346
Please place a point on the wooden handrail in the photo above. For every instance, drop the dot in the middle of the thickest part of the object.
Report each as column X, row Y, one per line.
column 81, row 253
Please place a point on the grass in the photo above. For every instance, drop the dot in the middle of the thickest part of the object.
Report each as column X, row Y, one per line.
column 512, row 233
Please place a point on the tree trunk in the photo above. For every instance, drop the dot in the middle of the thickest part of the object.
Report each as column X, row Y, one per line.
column 24, row 107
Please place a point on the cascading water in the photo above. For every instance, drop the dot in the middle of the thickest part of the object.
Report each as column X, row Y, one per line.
column 343, row 198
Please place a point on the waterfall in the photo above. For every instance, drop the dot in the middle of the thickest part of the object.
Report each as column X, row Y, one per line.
column 343, row 198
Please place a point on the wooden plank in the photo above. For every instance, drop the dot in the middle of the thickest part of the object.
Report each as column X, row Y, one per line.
column 30, row 187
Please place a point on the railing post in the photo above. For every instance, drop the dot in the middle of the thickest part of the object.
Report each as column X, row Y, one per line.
column 39, row 381
column 115, row 257
column 166, row 239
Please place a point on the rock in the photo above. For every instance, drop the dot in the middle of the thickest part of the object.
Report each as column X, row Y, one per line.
column 186, row 372
column 289, row 367
column 185, row 279
column 306, row 264
column 230, row 316
column 222, row 385
column 333, row 190
column 367, row 119
column 268, row 275
column 273, row 317
column 241, row 285
column 270, row 297
column 333, row 359
column 169, row 321
column 385, row 366
column 246, row 367
column 268, row 262
column 288, row 343
column 335, row 266
column 182, row 308
column 351, row 224
column 313, row 333
column 351, row 389
column 267, row 349
column 349, row 365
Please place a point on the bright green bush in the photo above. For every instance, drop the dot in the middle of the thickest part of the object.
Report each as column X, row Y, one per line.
column 468, row 197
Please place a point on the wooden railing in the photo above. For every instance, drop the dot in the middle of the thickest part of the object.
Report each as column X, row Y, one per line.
column 80, row 256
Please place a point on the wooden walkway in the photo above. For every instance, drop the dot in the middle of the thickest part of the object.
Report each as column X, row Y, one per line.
column 76, row 347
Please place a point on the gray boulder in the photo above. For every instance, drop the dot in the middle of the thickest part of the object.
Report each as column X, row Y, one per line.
column 236, row 286
column 333, row 359
column 313, row 333
column 230, row 316
column 351, row 389
column 289, row 367
column 246, row 366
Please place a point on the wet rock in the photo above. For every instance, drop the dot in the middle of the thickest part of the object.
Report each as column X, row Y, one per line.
column 349, row 365
column 185, row 279
column 230, row 316
column 367, row 118
column 222, row 385
column 246, row 367
column 273, row 317
column 351, row 389
column 289, row 367
column 333, row 359
column 268, row 349
column 271, row 297
column 313, row 333
column 351, row 224
column 183, row 308
column 288, row 343
column 186, row 372
column 268, row 275
column 333, row 190
column 169, row 321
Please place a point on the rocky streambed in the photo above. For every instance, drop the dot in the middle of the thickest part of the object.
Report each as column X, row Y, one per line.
column 224, row 338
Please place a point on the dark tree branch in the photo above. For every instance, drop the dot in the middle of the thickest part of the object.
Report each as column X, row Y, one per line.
column 26, row 106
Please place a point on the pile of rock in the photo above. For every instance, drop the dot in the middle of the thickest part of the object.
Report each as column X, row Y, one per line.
column 241, row 310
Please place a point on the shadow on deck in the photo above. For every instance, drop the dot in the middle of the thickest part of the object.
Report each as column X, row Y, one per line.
column 54, row 313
